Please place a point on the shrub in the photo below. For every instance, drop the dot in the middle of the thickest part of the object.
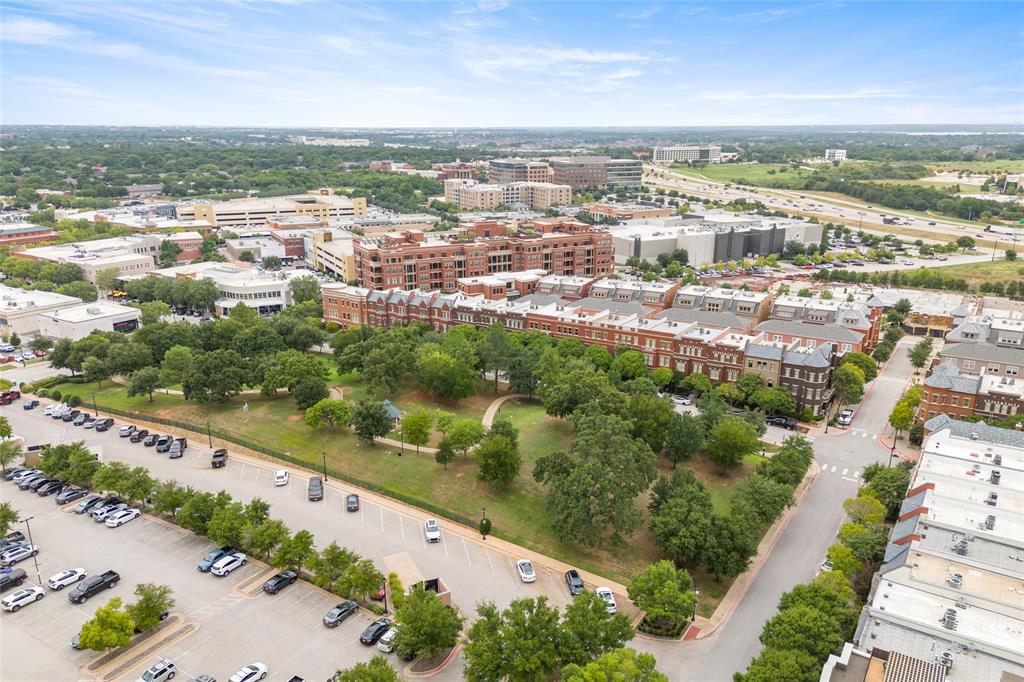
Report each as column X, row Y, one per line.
column 56, row 395
column 41, row 392
column 916, row 434
column 74, row 401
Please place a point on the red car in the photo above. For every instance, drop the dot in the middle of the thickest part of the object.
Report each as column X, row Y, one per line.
column 39, row 353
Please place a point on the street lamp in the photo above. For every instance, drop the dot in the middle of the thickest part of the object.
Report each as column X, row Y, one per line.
column 35, row 559
column 209, row 436
column 325, row 466
column 95, row 409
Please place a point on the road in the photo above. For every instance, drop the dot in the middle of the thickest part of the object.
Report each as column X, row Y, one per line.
column 849, row 212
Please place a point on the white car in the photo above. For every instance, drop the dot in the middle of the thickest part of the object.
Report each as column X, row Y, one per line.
column 227, row 564
column 26, row 357
column 281, row 477
column 680, row 400
column 16, row 554
column 609, row 598
column 160, row 671
column 108, row 510
column 64, row 578
column 50, row 409
column 27, row 596
column 526, row 572
column 122, row 517
column 387, row 642
column 250, row 673
column 22, row 475
column 431, row 530
column 126, row 431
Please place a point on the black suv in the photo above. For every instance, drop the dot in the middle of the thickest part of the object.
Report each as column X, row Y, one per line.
column 220, row 458
column 151, row 440
column 574, row 582
column 12, row 578
column 279, row 582
column 315, row 491
column 138, row 435
column 92, row 586
column 105, row 424
column 782, row 422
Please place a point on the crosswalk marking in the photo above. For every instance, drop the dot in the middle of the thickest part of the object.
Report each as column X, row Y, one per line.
column 856, row 474
column 845, row 471
column 833, row 468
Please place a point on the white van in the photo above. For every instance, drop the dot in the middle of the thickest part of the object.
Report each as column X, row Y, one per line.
column 387, row 642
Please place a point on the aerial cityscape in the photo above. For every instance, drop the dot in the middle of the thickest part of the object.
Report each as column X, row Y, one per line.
column 501, row 340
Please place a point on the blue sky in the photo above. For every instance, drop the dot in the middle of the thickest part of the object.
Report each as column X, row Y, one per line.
column 508, row 63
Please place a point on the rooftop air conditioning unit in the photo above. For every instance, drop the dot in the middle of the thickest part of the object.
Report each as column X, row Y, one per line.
column 995, row 476
column 93, row 310
column 946, row 660
column 956, row 580
column 974, row 435
column 997, row 460
column 990, row 522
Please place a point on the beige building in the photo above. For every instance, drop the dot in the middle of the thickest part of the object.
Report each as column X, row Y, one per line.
column 333, row 253
column 323, row 204
column 501, row 171
column 473, row 196
column 20, row 308
column 132, row 255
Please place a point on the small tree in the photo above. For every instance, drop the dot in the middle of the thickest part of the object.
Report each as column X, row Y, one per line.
column 920, row 352
column 621, row 664
column 685, row 437
column 499, row 461
column 94, row 369
column 416, row 427
column 730, row 441
column 153, row 601
column 8, row 517
column 227, row 526
column 10, row 450
column 426, row 625
column 329, row 412
column 901, row 417
column 464, row 434
column 377, row 670
column 144, row 381
column 444, row 453
column 5, row 427
column 664, row 592
column 110, row 627
column 294, row 552
column 588, row 630
column 443, row 420
column 370, row 420
column 270, row 535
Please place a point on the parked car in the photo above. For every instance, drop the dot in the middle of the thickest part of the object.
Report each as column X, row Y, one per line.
column 219, row 458
column 14, row 471
column 93, row 585
column 37, row 483
column 21, row 598
column 845, row 417
column 212, row 557
column 138, row 435
column 609, row 599
column 71, row 494
column 279, row 582
column 126, row 430
column 352, row 502
column 680, row 400
column 81, row 419
column 91, row 423
column 12, row 578
column 37, row 479
column 104, row 424
column 16, row 536
column 69, row 577
column 228, row 563
column 118, row 519
column 431, row 530
column 375, row 631
column 161, row 671
column 25, row 473
column 102, row 513
column 8, row 397
column 50, row 488
column 387, row 641
column 250, row 673
column 150, row 440
column 574, row 582
column 177, row 448
column 70, row 416
column 30, row 405
column 88, row 504
column 526, row 572
column 281, row 477
column 782, row 422
column 163, row 443
column 339, row 613
column 315, row 489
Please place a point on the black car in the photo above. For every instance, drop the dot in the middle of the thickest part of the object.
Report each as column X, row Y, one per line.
column 93, row 585
column 279, row 582
column 219, row 459
column 375, row 631
column 138, row 435
column 337, row 615
column 11, row 473
column 71, row 416
column 26, row 481
column 88, row 504
column 105, row 424
column 782, row 422
column 163, row 443
column 150, row 440
column 315, row 490
column 12, row 578
column 39, row 483
column 352, row 502
column 16, row 536
column 574, row 582
column 71, row 494
column 81, row 419
column 51, row 488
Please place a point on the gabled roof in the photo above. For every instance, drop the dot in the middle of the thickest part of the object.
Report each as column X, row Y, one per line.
column 820, row 357
column 830, row 332
column 764, row 351
column 703, row 317
column 984, row 352
column 947, row 375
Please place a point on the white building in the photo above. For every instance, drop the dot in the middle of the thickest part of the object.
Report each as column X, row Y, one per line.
column 81, row 320
column 267, row 292
column 707, row 153
column 131, row 255
column 20, row 308
column 835, row 155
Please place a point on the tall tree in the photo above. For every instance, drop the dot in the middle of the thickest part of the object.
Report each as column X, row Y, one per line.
column 376, row 670
column 849, row 384
column 426, row 625
column 730, row 441
column 8, row 517
column 652, row 417
column 370, row 420
column 294, row 552
column 109, row 628
column 495, row 351
column 518, row 643
column 664, row 593
column 416, row 427
column 622, row 664
column 588, row 630
column 151, row 602
column 685, row 437
column 329, row 412
column 498, row 461
column 144, row 381
column 464, row 434
column 305, row 288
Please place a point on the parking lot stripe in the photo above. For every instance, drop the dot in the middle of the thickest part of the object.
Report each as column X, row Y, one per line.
column 258, row 471
column 241, row 470
column 487, row 553
column 466, row 547
column 381, row 517
column 401, row 523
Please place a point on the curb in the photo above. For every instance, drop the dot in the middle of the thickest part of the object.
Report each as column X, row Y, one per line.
column 408, row 671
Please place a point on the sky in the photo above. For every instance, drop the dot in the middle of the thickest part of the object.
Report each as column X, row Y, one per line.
column 509, row 64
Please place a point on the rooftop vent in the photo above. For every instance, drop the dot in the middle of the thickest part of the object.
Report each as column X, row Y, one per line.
column 974, row 435
column 92, row 310
column 956, row 580
column 946, row 660
column 993, row 499
column 990, row 522
column 995, row 476
column 949, row 620
column 997, row 460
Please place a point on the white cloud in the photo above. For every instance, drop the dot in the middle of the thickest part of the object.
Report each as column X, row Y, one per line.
column 491, row 5
column 640, row 15
column 496, row 61
column 747, row 96
column 29, row 31
column 610, row 81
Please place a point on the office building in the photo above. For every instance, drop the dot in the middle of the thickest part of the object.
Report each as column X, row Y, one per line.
column 949, row 591
column 258, row 246
column 20, row 308
column 580, row 172
column 835, row 155
column 688, row 153
column 240, row 213
column 625, row 173
column 456, row 171
column 502, row 171
column 473, row 196
column 24, row 233
column 77, row 322
column 268, row 292
column 626, row 212
column 130, row 255
column 332, row 252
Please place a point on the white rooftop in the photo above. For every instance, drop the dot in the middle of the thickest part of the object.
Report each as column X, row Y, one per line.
column 13, row 298
column 91, row 311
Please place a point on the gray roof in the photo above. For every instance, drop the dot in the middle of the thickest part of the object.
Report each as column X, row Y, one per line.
column 984, row 352
column 895, row 556
column 392, row 411
column 947, row 375
column 764, row 351
column 906, row 527
column 703, row 317
column 618, row 307
column 540, row 299
column 831, row 332
column 985, row 433
column 819, row 357
column 979, row 330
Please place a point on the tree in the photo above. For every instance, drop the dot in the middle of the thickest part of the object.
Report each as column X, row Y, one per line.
column 503, row 426
column 696, row 383
column 257, row 511
column 247, row 257
column 518, row 643
column 844, row 560
column 294, row 552
column 446, row 376
column 377, row 670
column 144, row 381
column 920, row 352
column 426, row 625
column 106, row 280
column 730, row 547
column 623, row 665
column 169, row 496
column 5, row 427
column 328, row 412
column 83, row 290
column 290, row 368
column 1011, row 255
column 781, row 665
column 216, row 375
column 495, row 350
column 652, row 417
column 10, row 451
column 805, row 629
column 111, row 476
column 730, row 441
column 685, row 437
column 305, row 288
column 888, row 485
column 592, row 489
column 588, row 630
column 965, row 243
column 664, row 593
column 849, row 384
column 416, row 427
column 152, row 602
column 109, row 628
column 176, row 362
column 40, row 344
column 866, row 364
column 464, row 434
column 444, row 453
column 8, row 517
column 329, row 566
column 661, row 376
column 629, row 365
column 901, row 417
column 763, row 496
column 271, row 262
column 443, row 421
column 152, row 311
column 94, row 369
column 227, row 525
column 498, row 460
column 309, row 391
column 790, row 463
column 196, row 513
column 370, row 420
column 267, row 537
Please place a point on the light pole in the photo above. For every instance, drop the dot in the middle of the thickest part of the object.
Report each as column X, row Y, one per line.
column 209, row 435
column 325, row 466
column 95, row 409
column 35, row 559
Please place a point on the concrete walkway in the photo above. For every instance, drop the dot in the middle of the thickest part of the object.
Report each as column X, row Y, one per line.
column 494, row 407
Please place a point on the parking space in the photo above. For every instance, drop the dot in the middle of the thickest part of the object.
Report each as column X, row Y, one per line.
column 234, row 627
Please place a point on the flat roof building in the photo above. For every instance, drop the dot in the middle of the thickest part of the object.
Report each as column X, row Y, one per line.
column 501, row 171
column 707, row 153
column 77, row 322
column 131, row 255
column 835, row 155
column 473, row 196
column 323, row 204
column 20, row 308
column 24, row 233
column 266, row 292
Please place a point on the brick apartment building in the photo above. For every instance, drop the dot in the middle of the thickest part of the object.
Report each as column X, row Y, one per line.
column 974, row 379
column 414, row 260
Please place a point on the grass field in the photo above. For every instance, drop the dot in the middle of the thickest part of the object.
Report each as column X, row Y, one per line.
column 987, row 166
column 978, row 273
column 762, row 174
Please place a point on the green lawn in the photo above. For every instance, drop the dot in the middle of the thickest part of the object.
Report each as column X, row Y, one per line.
column 762, row 174
column 987, row 166
column 1001, row 270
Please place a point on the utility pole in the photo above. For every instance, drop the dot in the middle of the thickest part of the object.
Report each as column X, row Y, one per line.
column 35, row 559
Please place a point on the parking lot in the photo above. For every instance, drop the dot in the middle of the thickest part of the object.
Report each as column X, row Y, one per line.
column 235, row 622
